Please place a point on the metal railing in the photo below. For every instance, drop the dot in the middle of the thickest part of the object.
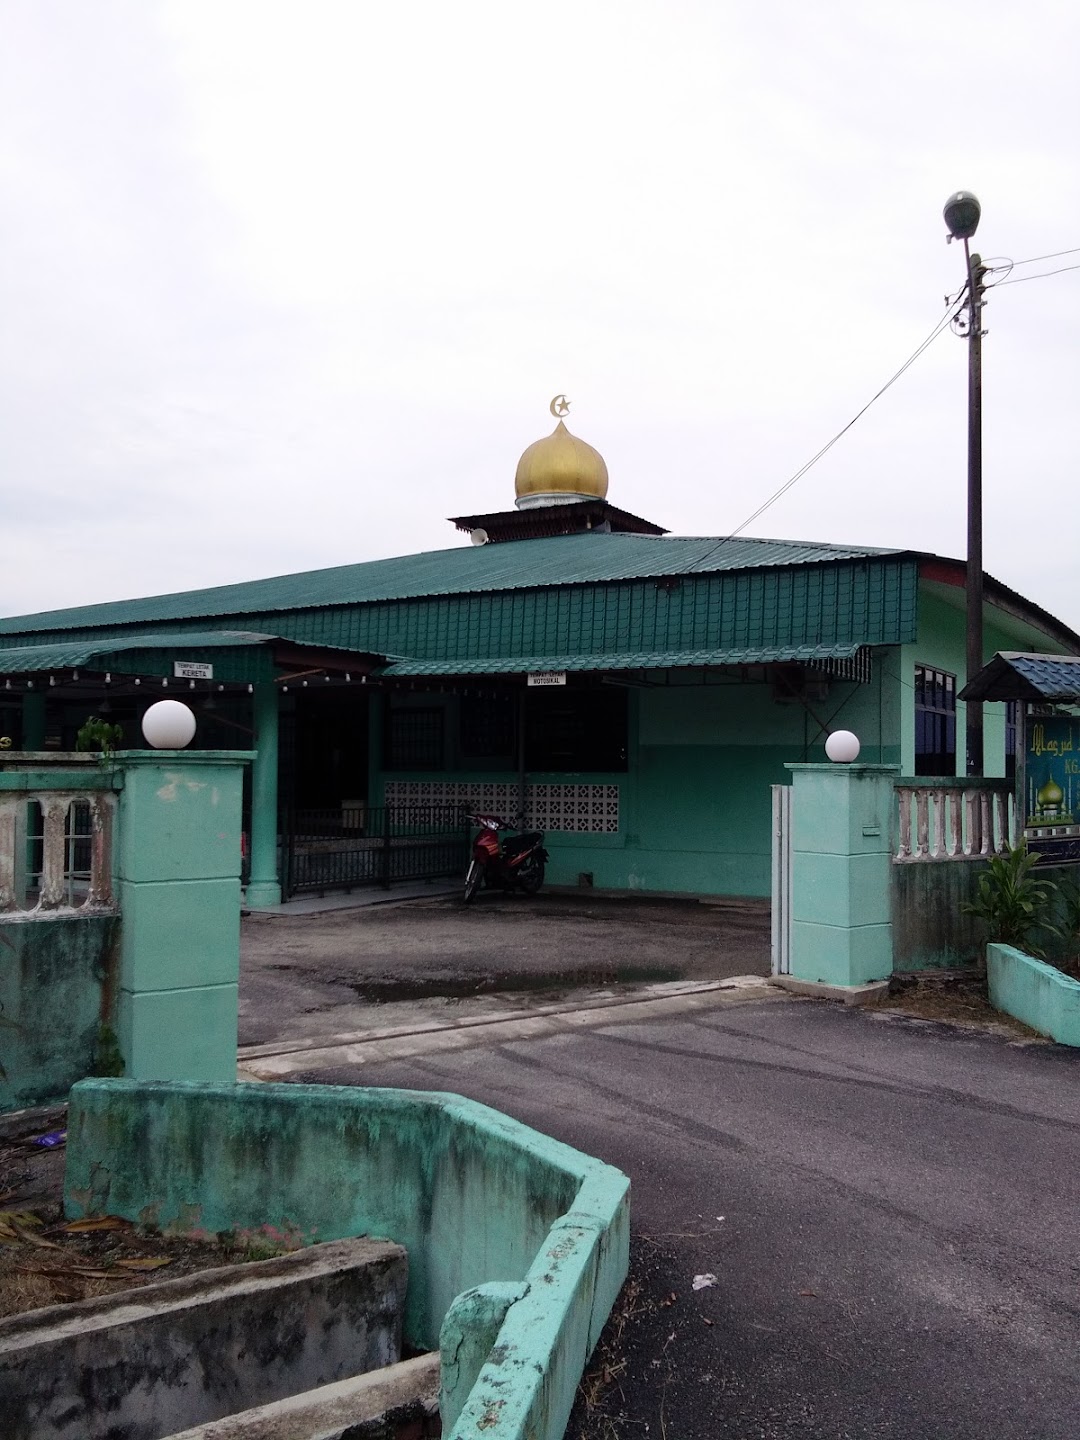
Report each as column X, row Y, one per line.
column 953, row 819
column 357, row 845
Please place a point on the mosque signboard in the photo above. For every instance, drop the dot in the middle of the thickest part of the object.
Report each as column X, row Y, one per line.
column 1048, row 792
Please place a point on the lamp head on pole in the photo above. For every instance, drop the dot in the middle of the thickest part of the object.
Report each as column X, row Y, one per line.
column 962, row 211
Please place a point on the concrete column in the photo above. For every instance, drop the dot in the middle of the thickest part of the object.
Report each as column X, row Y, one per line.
column 841, row 917
column 178, row 874
column 33, row 720
column 264, row 887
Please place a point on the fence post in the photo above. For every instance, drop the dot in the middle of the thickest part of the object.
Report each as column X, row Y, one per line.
column 841, row 873
column 384, row 859
column 178, row 868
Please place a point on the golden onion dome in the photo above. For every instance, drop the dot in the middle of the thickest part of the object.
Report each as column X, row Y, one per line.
column 560, row 467
column 1051, row 795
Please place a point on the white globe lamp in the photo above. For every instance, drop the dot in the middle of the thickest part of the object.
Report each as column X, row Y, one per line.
column 843, row 747
column 169, row 725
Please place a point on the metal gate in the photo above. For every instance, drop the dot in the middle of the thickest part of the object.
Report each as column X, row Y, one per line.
column 357, row 845
column 781, row 880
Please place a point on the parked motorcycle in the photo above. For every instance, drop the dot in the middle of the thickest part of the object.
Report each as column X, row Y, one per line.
column 517, row 863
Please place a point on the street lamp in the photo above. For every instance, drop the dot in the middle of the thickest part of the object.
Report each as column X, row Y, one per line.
column 962, row 212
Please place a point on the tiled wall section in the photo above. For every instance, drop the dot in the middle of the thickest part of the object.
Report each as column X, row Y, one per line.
column 551, row 808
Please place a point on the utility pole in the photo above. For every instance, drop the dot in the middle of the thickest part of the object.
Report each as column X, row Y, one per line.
column 962, row 212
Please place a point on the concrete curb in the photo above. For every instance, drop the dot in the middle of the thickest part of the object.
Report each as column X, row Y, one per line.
column 662, row 991
column 473, row 1196
column 872, row 994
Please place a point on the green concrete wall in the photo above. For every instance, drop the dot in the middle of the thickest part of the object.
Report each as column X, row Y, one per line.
column 57, row 983
column 930, row 929
column 695, row 805
column 941, row 643
column 1035, row 993
column 474, row 1196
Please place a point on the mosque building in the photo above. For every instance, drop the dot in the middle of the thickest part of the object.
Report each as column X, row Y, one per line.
column 633, row 694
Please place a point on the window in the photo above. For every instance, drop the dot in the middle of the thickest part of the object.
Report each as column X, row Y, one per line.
column 489, row 725
column 935, row 722
column 414, row 738
column 573, row 730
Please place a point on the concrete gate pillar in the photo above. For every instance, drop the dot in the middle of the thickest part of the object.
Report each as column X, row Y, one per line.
column 178, row 885
column 841, row 873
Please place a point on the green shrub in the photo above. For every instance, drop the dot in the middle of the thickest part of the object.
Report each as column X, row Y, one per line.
column 1012, row 901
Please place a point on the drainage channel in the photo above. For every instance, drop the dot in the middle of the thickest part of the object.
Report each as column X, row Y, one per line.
column 306, row 1344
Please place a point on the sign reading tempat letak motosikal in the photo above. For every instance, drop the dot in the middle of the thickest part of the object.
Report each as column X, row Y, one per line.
column 1051, row 799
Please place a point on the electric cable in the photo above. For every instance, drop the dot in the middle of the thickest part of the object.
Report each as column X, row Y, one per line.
column 1019, row 280
column 950, row 314
column 1054, row 255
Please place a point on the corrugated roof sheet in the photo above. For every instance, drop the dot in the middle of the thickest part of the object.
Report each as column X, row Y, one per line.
column 631, row 660
column 1012, row 675
column 183, row 644
column 525, row 564
column 868, row 603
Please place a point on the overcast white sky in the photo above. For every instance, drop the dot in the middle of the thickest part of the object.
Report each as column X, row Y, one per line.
column 285, row 285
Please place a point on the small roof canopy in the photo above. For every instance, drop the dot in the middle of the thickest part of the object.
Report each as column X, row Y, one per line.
column 237, row 656
column 1011, row 675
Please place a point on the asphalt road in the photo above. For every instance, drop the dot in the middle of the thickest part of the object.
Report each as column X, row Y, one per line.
column 889, row 1206
column 300, row 974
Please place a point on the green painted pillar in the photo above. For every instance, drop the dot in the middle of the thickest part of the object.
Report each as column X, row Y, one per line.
column 178, row 887
column 841, row 873
column 33, row 720
column 264, row 887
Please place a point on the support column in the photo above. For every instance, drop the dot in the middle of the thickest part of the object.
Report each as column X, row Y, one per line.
column 264, row 887
column 33, row 720
column 178, row 869
column 841, row 873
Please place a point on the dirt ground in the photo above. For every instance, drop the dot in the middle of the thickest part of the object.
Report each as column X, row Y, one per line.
column 47, row 1261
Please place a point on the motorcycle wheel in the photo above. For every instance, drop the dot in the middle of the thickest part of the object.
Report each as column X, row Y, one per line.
column 531, row 876
column 472, row 880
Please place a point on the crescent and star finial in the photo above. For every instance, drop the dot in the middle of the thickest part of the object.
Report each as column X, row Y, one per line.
column 560, row 406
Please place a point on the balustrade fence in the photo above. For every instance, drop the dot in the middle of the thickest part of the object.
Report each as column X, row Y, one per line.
column 953, row 819
column 56, row 851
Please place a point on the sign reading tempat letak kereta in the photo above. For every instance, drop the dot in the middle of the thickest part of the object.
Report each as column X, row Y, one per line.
column 1051, row 798
column 192, row 670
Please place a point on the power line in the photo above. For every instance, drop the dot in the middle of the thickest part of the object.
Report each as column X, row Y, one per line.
column 952, row 311
column 1041, row 275
column 1056, row 255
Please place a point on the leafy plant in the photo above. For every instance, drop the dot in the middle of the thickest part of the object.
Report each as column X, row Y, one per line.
column 98, row 734
column 1012, row 901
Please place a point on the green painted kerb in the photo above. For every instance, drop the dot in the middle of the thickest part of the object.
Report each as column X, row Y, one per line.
column 1035, row 993
column 477, row 1199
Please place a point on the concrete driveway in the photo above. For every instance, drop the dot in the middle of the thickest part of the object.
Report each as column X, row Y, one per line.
column 888, row 1206
column 346, row 970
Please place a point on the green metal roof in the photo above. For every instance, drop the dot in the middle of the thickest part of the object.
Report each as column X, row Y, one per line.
column 632, row 660
column 522, row 565
column 248, row 655
column 868, row 602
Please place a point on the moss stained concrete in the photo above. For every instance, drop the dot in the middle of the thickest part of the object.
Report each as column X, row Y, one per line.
column 474, row 1197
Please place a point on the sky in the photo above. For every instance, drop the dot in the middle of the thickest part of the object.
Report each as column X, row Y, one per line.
column 286, row 285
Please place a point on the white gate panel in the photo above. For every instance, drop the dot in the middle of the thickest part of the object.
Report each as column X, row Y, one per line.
column 781, row 880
